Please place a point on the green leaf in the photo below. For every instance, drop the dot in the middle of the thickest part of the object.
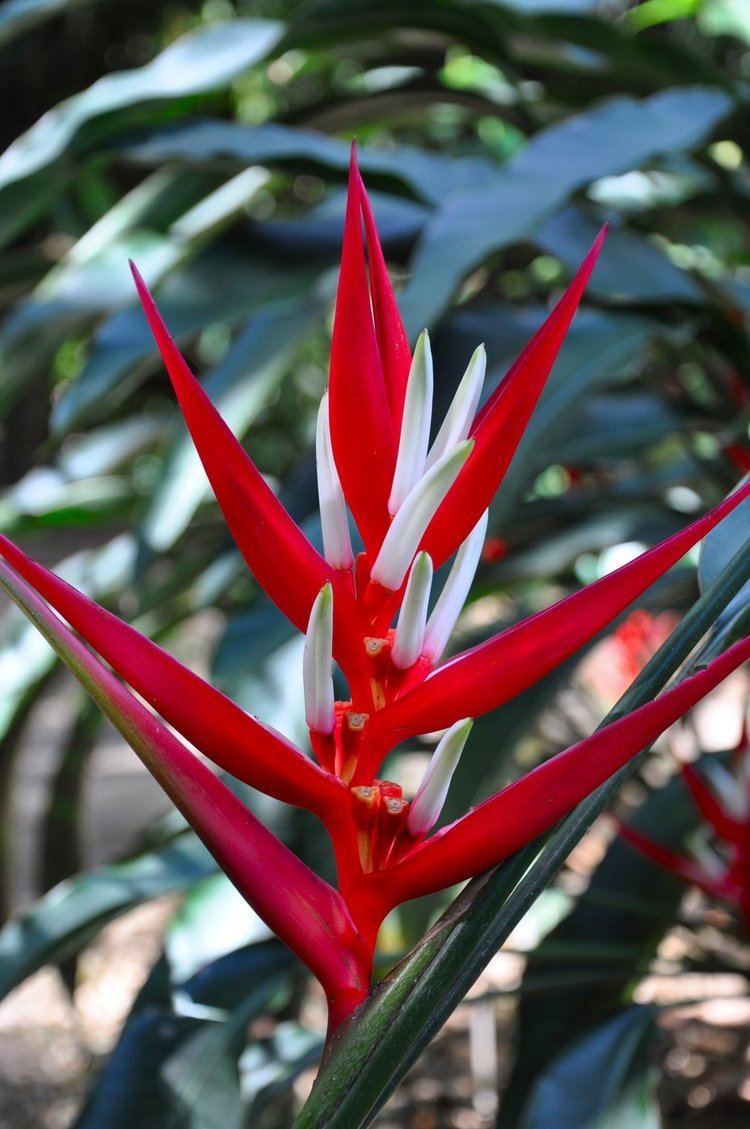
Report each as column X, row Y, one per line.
column 44, row 499
column 62, row 834
column 213, row 920
column 718, row 549
column 70, row 915
column 19, row 16
column 205, row 59
column 123, row 350
column 614, row 426
column 630, row 267
column 612, row 137
column 207, row 143
column 629, row 902
column 604, row 1081
column 175, row 1063
column 24, row 655
column 725, row 17
column 601, row 350
column 268, row 1069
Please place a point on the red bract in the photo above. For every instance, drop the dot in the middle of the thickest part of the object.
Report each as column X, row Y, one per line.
column 415, row 505
column 719, row 861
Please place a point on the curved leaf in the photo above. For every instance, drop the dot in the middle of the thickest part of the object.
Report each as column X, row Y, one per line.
column 612, row 137
column 66, row 918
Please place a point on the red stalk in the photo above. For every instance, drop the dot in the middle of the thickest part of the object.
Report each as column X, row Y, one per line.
column 228, row 736
column 501, row 423
column 288, row 568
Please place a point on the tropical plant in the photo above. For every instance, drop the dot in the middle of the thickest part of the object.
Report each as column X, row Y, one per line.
column 414, row 504
column 497, row 139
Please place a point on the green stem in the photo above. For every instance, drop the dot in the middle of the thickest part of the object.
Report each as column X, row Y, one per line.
column 374, row 1049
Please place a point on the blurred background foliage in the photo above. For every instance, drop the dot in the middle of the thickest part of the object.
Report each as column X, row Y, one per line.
column 209, row 142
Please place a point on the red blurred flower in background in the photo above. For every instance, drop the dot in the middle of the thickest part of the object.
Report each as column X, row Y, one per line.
column 718, row 857
column 415, row 504
column 618, row 659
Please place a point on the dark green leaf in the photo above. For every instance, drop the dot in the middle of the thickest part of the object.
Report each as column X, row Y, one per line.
column 604, row 1081
column 613, row 137
column 70, row 915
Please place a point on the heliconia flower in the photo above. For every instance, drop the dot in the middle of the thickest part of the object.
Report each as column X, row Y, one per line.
column 718, row 858
column 414, row 508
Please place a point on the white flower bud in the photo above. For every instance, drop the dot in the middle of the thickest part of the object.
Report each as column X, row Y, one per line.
column 455, row 590
column 460, row 415
column 407, row 644
column 317, row 664
column 428, row 802
column 415, row 425
column 337, row 547
column 415, row 514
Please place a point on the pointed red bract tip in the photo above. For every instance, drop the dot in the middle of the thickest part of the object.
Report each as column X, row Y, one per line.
column 725, row 825
column 669, row 860
column 490, row 674
column 524, row 809
column 288, row 568
column 500, row 425
column 393, row 344
column 362, row 433
column 138, row 279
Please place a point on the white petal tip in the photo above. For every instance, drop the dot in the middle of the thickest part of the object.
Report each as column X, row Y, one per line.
column 415, row 425
column 454, row 593
column 317, row 664
column 409, row 525
column 429, row 800
column 407, row 644
column 337, row 548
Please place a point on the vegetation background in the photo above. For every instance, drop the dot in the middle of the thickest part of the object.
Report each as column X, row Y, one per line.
column 209, row 142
